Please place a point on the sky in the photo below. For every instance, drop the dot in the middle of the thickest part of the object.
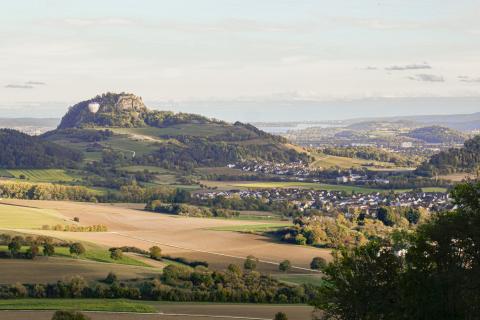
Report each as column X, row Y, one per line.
column 251, row 60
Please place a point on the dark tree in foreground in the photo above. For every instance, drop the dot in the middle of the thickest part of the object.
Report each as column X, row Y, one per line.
column 69, row 315
column 433, row 273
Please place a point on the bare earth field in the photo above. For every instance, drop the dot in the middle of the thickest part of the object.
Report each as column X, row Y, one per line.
column 176, row 311
column 177, row 236
column 50, row 270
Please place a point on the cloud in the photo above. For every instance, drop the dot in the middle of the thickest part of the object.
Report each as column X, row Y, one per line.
column 19, row 86
column 370, row 68
column 35, row 83
column 468, row 79
column 97, row 22
column 26, row 85
column 409, row 67
column 427, row 78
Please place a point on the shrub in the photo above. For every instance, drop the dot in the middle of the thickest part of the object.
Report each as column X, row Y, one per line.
column 77, row 249
column 69, row 315
column 280, row 316
column 116, row 254
column 155, row 253
column 318, row 263
column 285, row 265
column 250, row 263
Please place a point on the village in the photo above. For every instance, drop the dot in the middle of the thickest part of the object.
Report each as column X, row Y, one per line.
column 340, row 201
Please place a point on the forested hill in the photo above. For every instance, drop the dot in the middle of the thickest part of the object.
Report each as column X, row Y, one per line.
column 19, row 150
column 437, row 134
column 166, row 138
column 465, row 159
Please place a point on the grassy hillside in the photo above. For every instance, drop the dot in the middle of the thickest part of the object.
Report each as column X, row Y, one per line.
column 123, row 124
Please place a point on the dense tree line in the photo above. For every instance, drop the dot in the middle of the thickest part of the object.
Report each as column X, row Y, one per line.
column 465, row 159
column 177, row 283
column 196, row 151
column 437, row 134
column 19, row 150
column 189, row 210
column 432, row 273
column 371, row 153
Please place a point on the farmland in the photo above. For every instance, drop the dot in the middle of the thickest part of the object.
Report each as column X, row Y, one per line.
column 150, row 310
column 42, row 270
column 19, row 217
column 40, row 175
column 191, row 238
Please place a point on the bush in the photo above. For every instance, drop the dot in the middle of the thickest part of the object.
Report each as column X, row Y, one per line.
column 69, row 315
column 155, row 253
column 285, row 265
column 250, row 263
column 318, row 263
column 77, row 249
column 116, row 254
column 280, row 316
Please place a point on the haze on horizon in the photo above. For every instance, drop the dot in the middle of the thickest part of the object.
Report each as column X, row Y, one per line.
column 247, row 60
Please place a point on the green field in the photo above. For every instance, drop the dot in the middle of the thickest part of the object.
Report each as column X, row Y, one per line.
column 118, row 305
column 315, row 279
column 93, row 252
column 40, row 175
column 17, row 217
column 254, row 228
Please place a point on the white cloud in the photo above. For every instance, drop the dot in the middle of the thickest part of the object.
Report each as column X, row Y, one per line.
column 427, row 78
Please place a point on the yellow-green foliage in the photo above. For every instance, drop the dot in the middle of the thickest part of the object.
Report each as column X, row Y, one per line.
column 75, row 228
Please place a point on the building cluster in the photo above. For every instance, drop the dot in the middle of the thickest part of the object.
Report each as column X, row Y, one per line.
column 297, row 169
column 325, row 200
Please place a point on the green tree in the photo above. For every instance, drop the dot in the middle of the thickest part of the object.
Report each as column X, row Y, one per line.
column 250, row 263
column 318, row 263
column 48, row 249
column 33, row 251
column 155, row 253
column 285, row 266
column 116, row 254
column 14, row 246
column 77, row 249
column 280, row 316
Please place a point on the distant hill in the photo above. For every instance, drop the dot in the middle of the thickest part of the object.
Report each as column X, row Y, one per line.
column 19, row 150
column 465, row 159
column 162, row 137
column 437, row 134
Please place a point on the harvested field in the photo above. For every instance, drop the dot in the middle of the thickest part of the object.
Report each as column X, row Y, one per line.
column 52, row 269
column 177, row 236
column 175, row 311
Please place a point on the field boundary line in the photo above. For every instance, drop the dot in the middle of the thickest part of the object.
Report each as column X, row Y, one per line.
column 207, row 252
column 191, row 315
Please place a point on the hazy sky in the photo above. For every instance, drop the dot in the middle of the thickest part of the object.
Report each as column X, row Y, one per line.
column 286, row 59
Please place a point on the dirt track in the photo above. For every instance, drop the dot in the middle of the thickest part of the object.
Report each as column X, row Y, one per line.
column 179, row 236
